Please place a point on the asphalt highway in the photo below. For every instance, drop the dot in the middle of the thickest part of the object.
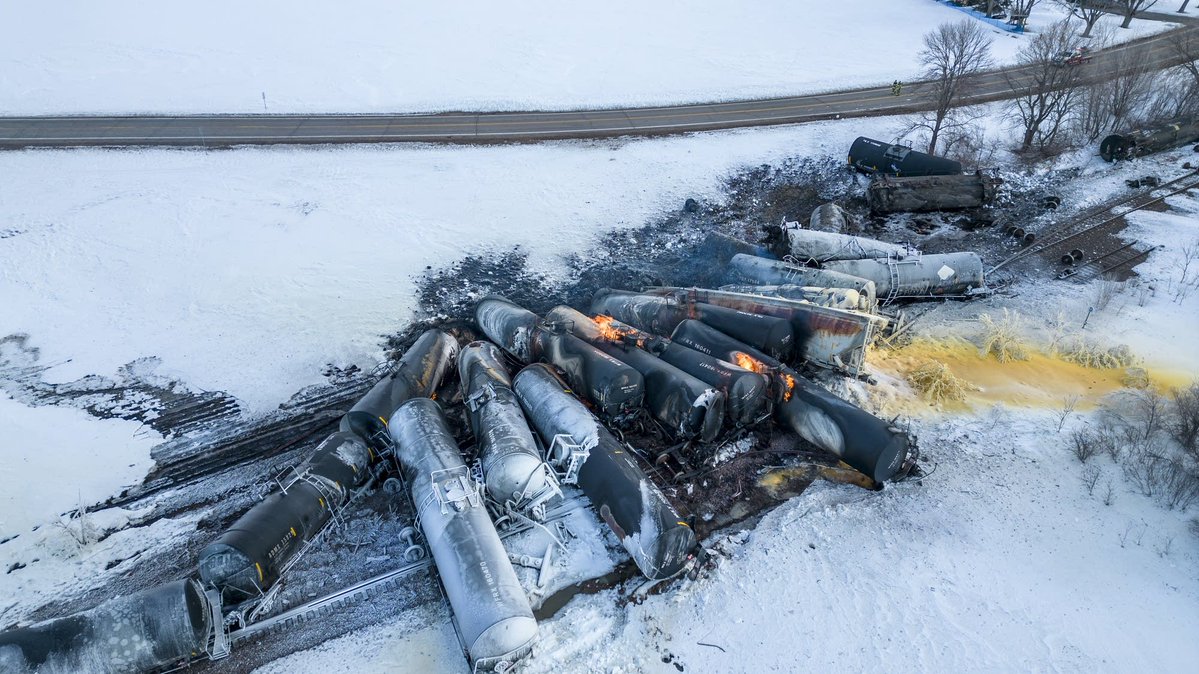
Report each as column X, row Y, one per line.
column 1156, row 52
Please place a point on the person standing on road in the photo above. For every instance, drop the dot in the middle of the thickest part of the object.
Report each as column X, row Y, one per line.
column 896, row 87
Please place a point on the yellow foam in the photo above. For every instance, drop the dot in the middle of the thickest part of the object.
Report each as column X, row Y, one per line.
column 1041, row 381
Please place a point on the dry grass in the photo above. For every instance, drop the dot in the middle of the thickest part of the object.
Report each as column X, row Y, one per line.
column 1003, row 337
column 937, row 383
column 1089, row 353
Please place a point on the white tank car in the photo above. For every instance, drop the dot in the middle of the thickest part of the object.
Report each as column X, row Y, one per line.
column 512, row 467
column 764, row 271
column 918, row 275
column 490, row 607
column 806, row 244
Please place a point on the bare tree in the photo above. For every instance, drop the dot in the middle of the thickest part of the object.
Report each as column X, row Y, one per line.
column 1020, row 10
column 1131, row 90
column 1130, row 8
column 1046, row 89
column 952, row 53
column 1087, row 11
column 1186, row 45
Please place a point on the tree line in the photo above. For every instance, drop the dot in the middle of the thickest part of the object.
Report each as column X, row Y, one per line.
column 1062, row 96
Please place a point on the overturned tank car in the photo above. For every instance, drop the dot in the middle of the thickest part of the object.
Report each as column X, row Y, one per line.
column 686, row 406
column 890, row 194
column 491, row 612
column 151, row 630
column 1140, row 142
column 512, row 467
column 874, row 156
column 247, row 559
column 634, row 508
column 860, row 439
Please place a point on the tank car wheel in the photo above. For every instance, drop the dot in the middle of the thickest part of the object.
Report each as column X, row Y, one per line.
column 392, row 486
column 408, row 535
column 414, row 553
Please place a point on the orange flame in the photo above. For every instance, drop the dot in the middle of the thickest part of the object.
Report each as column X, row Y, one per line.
column 613, row 333
column 790, row 382
column 750, row 363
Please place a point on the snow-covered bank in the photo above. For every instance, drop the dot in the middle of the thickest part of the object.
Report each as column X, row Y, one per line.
column 1000, row 562
column 247, row 271
column 74, row 458
column 371, row 56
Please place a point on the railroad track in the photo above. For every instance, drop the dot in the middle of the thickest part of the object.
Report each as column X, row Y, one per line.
column 371, row 586
column 1061, row 237
column 1123, row 258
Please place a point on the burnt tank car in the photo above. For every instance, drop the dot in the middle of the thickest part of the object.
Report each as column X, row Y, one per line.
column 746, row 399
column 613, row 386
column 687, row 406
column 150, row 630
column 892, row 194
column 868, row 155
column 649, row 527
column 660, row 315
column 857, row 437
column 1140, row 142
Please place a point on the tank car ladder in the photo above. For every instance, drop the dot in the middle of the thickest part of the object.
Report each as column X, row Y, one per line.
column 912, row 257
column 219, row 645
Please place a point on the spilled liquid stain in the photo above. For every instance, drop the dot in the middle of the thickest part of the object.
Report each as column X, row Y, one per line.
column 1041, row 381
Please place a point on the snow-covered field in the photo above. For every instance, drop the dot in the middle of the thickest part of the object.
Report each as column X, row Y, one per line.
column 122, row 56
column 100, row 456
column 248, row 271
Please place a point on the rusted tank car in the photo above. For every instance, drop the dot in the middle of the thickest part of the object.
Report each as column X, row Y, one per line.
column 889, row 194
column 1141, row 142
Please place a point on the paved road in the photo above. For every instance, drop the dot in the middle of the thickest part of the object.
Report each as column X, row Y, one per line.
column 228, row 130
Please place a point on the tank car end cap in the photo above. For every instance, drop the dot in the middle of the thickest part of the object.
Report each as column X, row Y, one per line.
column 508, row 640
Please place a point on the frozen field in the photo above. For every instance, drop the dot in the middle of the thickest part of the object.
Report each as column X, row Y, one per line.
column 370, row 56
column 248, row 271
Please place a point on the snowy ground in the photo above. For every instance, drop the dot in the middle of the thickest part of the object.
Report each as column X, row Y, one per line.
column 371, row 56
column 100, row 456
column 247, row 271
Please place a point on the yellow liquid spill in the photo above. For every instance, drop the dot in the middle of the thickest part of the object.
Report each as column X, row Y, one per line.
column 1040, row 381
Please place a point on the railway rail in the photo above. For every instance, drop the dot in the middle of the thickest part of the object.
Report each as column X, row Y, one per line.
column 1099, row 219
column 379, row 583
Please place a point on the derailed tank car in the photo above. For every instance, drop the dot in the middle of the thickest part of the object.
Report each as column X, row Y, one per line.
column 491, row 611
column 874, row 156
column 249, row 557
column 660, row 315
column 1140, row 142
column 890, row 194
column 512, row 467
column 859, row 438
column 146, row 631
column 687, row 406
column 933, row 275
column 649, row 527
column 764, row 271
column 613, row 386
column 420, row 371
